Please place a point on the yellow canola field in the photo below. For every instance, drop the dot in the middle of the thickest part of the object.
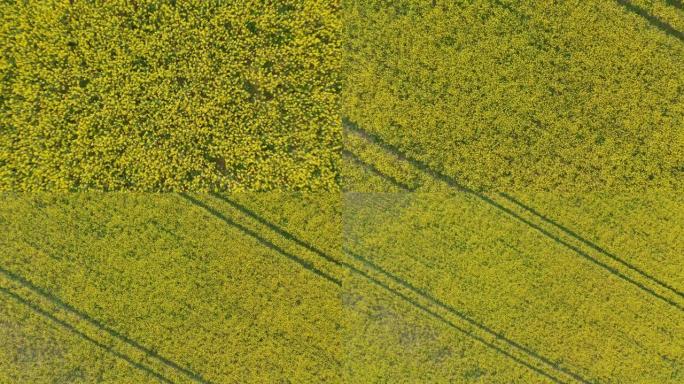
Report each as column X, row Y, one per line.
column 169, row 95
column 360, row 287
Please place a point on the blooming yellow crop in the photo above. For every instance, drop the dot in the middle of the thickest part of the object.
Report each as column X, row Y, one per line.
column 169, row 95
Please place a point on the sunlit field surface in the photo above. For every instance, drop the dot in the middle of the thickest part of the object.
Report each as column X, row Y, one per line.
column 172, row 288
column 360, row 287
column 516, row 96
column 169, row 95
column 459, row 290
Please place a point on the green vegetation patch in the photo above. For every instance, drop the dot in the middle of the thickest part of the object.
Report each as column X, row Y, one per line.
column 169, row 95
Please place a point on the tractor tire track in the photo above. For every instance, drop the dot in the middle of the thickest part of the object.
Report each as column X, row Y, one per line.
column 73, row 329
column 645, row 286
column 542, row 363
column 263, row 241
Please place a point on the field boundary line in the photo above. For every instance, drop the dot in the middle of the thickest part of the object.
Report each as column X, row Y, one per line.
column 453, row 183
column 53, row 316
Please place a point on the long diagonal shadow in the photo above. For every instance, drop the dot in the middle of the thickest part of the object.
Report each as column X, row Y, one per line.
column 451, row 325
column 401, row 156
column 348, row 124
column 574, row 235
column 268, row 244
column 68, row 326
column 583, row 254
column 628, row 5
column 370, row 167
column 653, row 20
column 276, row 228
column 675, row 3
column 462, row 315
column 289, row 236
